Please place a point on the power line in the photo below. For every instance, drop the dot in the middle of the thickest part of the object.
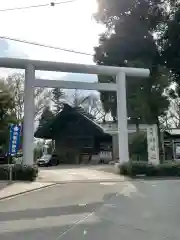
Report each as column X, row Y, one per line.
column 51, row 4
column 44, row 45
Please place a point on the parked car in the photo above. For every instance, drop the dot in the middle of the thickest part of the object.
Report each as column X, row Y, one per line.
column 48, row 160
column 5, row 158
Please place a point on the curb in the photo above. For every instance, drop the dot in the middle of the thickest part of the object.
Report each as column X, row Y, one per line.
column 145, row 178
column 27, row 191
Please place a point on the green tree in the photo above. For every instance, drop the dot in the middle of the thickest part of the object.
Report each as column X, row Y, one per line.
column 138, row 146
column 7, row 114
column 46, row 115
column 16, row 85
column 169, row 41
column 57, row 97
column 129, row 41
column 173, row 115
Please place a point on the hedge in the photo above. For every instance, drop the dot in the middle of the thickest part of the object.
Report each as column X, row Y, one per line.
column 133, row 169
column 19, row 172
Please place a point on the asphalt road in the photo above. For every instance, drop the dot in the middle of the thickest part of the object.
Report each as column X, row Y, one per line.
column 139, row 210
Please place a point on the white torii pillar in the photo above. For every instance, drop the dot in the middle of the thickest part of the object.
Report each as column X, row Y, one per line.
column 30, row 82
column 122, row 117
column 29, row 111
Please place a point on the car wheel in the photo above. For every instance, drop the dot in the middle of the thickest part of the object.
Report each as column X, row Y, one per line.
column 54, row 163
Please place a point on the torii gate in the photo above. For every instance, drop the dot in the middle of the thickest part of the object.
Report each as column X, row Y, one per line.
column 30, row 82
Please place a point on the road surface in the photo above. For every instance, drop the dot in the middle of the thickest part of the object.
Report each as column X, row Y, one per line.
column 138, row 210
column 69, row 173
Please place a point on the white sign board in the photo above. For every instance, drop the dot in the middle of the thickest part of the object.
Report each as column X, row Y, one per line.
column 177, row 150
column 153, row 146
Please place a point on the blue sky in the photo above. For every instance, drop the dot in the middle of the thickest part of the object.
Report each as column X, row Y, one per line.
column 67, row 25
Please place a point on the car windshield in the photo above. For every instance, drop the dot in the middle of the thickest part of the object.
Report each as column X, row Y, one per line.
column 46, row 157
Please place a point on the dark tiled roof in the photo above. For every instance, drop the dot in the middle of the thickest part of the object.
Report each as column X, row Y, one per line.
column 46, row 131
column 82, row 111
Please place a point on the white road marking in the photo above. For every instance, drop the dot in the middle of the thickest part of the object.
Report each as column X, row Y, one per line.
column 110, row 205
column 129, row 189
column 107, row 183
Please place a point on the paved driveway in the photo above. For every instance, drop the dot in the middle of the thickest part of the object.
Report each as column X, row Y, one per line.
column 139, row 210
column 69, row 173
column 3, row 184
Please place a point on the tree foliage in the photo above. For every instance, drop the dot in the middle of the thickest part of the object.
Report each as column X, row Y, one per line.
column 173, row 114
column 7, row 114
column 91, row 104
column 169, row 41
column 46, row 115
column 16, row 85
column 138, row 146
column 129, row 41
column 6, row 101
column 58, row 97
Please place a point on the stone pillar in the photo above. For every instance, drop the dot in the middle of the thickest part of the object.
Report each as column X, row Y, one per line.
column 122, row 117
column 28, row 123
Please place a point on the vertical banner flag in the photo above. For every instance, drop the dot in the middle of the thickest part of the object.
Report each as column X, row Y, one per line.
column 15, row 131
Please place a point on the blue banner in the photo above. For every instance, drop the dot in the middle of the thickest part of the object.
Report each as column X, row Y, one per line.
column 15, row 131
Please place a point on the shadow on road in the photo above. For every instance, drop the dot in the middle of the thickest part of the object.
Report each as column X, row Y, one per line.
column 53, row 211
column 103, row 230
column 140, row 211
column 47, row 212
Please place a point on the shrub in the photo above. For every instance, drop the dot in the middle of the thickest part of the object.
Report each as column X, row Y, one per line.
column 19, row 172
column 152, row 170
column 133, row 168
column 169, row 169
column 137, row 168
column 142, row 168
column 124, row 169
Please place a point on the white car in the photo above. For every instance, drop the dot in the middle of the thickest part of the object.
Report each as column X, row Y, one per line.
column 44, row 160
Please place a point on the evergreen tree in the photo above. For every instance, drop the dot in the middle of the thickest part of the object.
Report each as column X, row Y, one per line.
column 57, row 97
column 129, row 41
column 46, row 116
column 7, row 114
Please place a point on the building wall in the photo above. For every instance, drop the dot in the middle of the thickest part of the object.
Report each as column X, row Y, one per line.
column 69, row 149
column 112, row 127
